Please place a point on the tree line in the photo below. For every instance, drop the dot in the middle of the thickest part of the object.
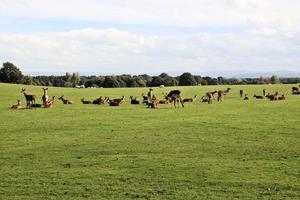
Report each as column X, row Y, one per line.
column 10, row 73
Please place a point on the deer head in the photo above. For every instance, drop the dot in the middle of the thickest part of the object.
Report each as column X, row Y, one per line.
column 23, row 90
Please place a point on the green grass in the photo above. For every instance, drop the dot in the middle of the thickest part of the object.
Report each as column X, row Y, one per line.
column 230, row 150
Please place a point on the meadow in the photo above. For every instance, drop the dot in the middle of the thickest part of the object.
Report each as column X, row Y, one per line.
column 233, row 149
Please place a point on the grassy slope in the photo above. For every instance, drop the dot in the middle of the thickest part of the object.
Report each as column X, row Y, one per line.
column 233, row 149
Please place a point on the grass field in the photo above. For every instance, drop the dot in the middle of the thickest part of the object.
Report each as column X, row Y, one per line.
column 230, row 150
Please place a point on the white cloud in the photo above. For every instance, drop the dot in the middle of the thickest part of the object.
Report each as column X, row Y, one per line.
column 191, row 13
column 116, row 51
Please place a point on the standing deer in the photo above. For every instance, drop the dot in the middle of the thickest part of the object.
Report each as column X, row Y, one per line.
column 45, row 96
column 241, row 93
column 65, row 101
column 30, row 98
column 211, row 94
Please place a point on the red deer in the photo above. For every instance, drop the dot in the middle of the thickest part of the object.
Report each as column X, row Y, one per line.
column 85, row 102
column 100, row 101
column 273, row 97
column 119, row 100
column 175, row 98
column 45, row 96
column 30, row 98
column 134, row 100
column 282, row 97
column 205, row 99
column 222, row 93
column 113, row 103
column 295, row 89
column 65, row 101
column 190, row 99
column 145, row 99
column 153, row 103
column 49, row 103
column 17, row 106
column 211, row 94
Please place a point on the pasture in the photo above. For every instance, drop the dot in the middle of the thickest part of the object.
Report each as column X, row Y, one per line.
column 234, row 149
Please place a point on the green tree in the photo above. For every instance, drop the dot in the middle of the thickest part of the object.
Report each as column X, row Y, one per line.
column 9, row 73
column 187, row 79
column 274, row 79
column 27, row 80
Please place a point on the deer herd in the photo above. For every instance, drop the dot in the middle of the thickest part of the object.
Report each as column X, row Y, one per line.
column 150, row 100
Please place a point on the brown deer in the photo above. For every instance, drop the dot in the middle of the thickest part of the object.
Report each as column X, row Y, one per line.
column 153, row 102
column 190, row 99
column 49, row 103
column 134, row 101
column 100, row 101
column 85, row 101
column 145, row 99
column 120, row 100
column 175, row 98
column 273, row 97
column 211, row 94
column 45, row 96
column 65, row 101
column 282, row 97
column 30, row 98
column 222, row 93
column 113, row 103
column 17, row 106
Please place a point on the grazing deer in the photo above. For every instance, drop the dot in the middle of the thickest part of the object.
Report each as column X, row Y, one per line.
column 222, row 93
column 190, row 99
column 17, row 106
column 175, row 98
column 30, row 98
column 211, row 94
column 241, row 93
column 85, row 102
column 134, row 100
column 258, row 97
column 45, row 96
column 65, row 101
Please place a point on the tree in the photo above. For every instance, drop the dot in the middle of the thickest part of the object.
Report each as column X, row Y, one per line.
column 275, row 80
column 75, row 79
column 187, row 79
column 27, row 80
column 111, row 82
column 9, row 73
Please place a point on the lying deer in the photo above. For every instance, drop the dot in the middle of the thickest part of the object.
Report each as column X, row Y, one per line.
column 134, row 100
column 85, row 102
column 17, row 106
column 258, row 97
column 49, row 103
column 65, row 101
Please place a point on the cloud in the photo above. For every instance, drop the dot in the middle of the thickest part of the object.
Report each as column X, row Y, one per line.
column 189, row 13
column 117, row 51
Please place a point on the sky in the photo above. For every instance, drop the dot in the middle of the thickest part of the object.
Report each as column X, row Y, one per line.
column 150, row 36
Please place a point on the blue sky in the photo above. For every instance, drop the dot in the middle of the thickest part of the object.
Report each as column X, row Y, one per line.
column 143, row 36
